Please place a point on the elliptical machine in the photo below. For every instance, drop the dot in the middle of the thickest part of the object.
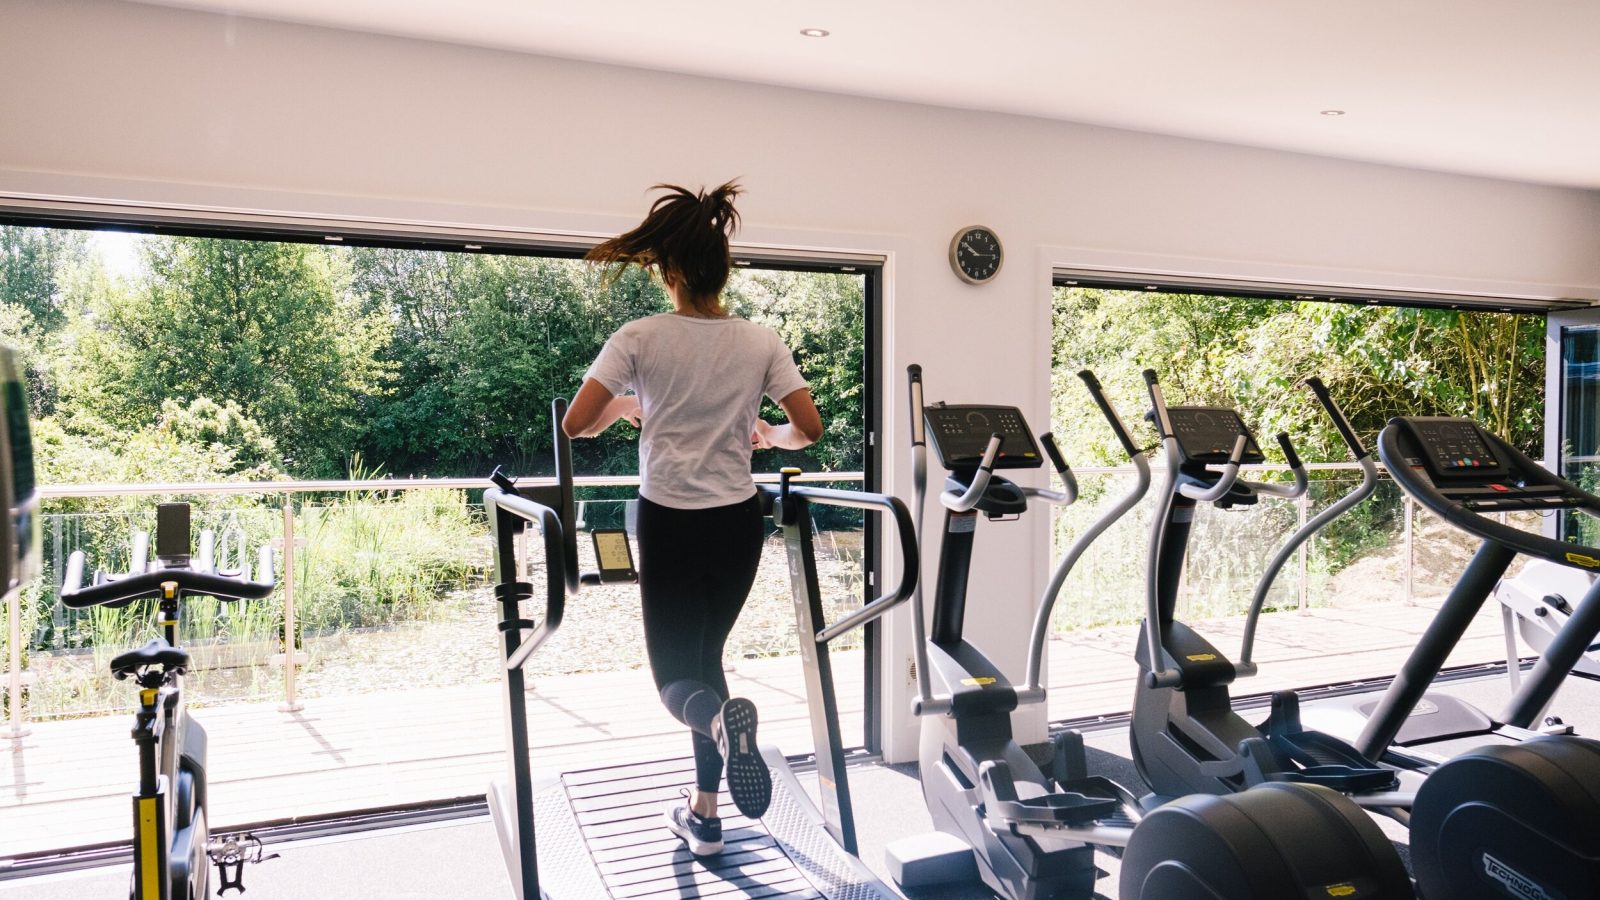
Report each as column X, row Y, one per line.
column 1185, row 736
column 1517, row 818
column 1032, row 837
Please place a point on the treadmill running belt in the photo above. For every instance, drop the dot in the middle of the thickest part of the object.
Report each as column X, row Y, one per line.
column 601, row 834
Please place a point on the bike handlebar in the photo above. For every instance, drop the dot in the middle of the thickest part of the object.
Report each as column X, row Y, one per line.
column 118, row 591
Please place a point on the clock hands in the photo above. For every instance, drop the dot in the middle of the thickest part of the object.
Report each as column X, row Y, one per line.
column 969, row 248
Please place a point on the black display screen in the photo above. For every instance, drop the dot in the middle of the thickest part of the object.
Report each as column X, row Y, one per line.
column 1454, row 447
column 1206, row 434
column 960, row 434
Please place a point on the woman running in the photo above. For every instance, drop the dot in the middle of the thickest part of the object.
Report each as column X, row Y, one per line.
column 697, row 376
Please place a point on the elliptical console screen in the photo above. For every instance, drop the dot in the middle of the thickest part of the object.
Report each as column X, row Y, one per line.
column 960, row 434
column 1454, row 447
column 1206, row 434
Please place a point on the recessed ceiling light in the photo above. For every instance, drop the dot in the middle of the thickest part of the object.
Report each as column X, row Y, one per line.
column 815, row 32
column 1333, row 112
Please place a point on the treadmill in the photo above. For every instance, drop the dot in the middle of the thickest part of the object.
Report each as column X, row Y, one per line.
column 600, row 832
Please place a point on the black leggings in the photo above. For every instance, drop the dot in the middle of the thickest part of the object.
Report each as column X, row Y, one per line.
column 696, row 567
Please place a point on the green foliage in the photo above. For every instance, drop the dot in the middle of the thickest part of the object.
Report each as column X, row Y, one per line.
column 269, row 327
column 822, row 318
column 1252, row 354
column 381, row 557
column 37, row 269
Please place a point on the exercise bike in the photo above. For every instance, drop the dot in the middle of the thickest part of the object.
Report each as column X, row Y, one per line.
column 1030, row 836
column 171, row 842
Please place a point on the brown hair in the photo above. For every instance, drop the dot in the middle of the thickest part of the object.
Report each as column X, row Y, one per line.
column 684, row 239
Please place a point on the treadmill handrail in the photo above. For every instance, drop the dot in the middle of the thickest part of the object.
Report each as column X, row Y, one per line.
column 556, row 575
column 919, row 481
column 911, row 562
column 1576, row 556
column 1033, row 689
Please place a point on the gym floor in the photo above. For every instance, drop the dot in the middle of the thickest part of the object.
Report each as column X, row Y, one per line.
column 462, row 859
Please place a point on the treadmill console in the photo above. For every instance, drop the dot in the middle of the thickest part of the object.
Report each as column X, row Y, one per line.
column 1206, row 435
column 1464, row 464
column 960, row 434
column 1454, row 447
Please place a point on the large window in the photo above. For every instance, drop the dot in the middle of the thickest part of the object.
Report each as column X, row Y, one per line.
column 160, row 359
column 1365, row 587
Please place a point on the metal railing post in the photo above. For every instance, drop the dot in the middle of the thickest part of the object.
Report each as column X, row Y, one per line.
column 1411, row 555
column 291, row 650
column 1304, row 509
column 16, row 723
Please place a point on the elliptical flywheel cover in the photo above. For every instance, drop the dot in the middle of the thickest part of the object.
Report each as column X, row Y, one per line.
column 1273, row 842
column 1519, row 821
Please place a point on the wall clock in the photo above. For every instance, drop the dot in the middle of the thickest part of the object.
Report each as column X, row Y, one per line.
column 976, row 254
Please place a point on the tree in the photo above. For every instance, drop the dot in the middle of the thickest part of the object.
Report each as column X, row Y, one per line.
column 482, row 345
column 822, row 318
column 36, row 265
column 269, row 327
column 1379, row 362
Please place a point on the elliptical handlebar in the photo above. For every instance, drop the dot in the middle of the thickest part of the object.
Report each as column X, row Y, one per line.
column 1341, row 423
column 1287, row 491
column 1160, row 675
column 967, row 500
column 1032, row 686
column 1229, row 474
column 1106, row 409
column 1069, row 484
column 1369, row 483
column 1158, row 404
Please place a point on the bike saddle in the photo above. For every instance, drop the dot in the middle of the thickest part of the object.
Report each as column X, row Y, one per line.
column 156, row 653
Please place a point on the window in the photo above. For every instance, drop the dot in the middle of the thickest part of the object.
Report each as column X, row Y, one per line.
column 1213, row 347
column 231, row 357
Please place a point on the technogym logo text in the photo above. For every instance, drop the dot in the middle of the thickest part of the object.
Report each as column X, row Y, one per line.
column 1516, row 884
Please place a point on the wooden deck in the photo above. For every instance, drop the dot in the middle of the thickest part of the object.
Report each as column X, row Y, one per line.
column 67, row 784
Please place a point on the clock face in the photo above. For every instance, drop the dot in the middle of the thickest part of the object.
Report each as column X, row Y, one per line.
column 975, row 254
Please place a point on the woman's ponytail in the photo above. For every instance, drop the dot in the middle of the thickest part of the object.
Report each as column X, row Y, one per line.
column 684, row 239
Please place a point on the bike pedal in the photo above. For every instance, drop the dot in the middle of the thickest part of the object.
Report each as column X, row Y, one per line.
column 230, row 854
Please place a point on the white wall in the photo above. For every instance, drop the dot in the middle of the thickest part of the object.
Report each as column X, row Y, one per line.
column 118, row 101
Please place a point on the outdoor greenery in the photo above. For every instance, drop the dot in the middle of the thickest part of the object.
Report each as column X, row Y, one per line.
column 237, row 360
column 1252, row 354
column 234, row 360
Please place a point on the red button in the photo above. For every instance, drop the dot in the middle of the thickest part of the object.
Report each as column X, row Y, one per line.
column 1501, row 488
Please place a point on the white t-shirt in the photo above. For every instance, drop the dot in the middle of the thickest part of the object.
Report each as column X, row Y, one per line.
column 700, row 383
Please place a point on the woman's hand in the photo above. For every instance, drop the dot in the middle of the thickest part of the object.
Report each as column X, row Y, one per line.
column 761, row 438
column 626, row 408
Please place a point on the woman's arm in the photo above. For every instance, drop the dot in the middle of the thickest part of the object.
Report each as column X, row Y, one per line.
column 803, row 429
column 595, row 409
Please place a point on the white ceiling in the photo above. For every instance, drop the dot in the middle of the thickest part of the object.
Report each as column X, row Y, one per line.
column 1493, row 87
